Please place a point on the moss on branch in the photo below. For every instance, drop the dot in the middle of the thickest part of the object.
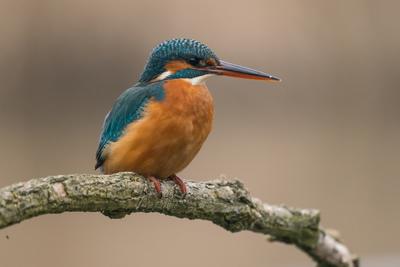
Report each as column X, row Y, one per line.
column 225, row 203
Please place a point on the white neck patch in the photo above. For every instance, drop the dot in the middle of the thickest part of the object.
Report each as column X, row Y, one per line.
column 162, row 76
column 194, row 81
column 199, row 79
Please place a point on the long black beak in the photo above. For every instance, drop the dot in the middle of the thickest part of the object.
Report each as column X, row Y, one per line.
column 233, row 70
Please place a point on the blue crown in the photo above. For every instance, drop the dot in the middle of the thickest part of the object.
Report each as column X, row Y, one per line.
column 174, row 49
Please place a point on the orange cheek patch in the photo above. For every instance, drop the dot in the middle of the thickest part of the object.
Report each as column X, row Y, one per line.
column 211, row 62
column 177, row 65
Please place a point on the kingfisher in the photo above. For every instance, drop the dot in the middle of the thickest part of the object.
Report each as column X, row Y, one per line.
column 157, row 127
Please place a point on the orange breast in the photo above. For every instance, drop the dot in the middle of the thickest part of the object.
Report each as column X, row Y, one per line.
column 168, row 136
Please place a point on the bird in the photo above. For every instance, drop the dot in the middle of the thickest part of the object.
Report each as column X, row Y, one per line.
column 156, row 127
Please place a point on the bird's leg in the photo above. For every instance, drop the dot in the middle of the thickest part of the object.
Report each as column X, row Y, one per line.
column 156, row 183
column 180, row 183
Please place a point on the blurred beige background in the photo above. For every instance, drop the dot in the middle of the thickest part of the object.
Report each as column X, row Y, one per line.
column 327, row 137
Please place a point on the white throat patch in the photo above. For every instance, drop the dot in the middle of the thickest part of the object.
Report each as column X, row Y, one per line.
column 199, row 79
column 194, row 81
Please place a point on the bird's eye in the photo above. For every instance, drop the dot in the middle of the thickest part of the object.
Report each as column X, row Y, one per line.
column 194, row 61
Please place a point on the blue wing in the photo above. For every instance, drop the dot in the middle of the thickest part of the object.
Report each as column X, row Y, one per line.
column 128, row 108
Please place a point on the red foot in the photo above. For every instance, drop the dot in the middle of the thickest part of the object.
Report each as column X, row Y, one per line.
column 156, row 183
column 180, row 183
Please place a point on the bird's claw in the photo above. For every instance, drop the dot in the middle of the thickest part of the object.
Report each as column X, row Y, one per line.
column 157, row 185
column 181, row 184
column 178, row 181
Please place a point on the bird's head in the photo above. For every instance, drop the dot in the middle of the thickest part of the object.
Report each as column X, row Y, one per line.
column 190, row 59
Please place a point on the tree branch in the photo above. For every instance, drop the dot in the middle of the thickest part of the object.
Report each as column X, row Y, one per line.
column 225, row 203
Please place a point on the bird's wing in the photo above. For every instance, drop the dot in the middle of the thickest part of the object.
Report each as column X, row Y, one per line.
column 128, row 108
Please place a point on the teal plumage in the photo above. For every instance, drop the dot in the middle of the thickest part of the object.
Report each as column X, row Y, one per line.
column 181, row 49
column 158, row 126
column 127, row 109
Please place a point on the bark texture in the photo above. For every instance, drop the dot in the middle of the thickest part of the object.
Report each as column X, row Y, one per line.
column 225, row 203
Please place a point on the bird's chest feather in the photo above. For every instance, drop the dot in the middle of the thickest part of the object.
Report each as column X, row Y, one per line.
column 183, row 119
column 169, row 134
column 188, row 107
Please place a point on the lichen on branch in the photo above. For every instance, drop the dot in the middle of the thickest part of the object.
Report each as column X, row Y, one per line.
column 225, row 203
